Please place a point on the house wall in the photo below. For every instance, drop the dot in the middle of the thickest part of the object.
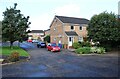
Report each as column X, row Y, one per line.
column 82, row 32
column 36, row 36
column 56, row 31
column 61, row 27
column 76, row 39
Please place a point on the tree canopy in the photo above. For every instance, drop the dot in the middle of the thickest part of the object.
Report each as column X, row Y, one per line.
column 14, row 25
column 47, row 38
column 104, row 28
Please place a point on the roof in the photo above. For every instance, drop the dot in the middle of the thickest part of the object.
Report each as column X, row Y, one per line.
column 47, row 30
column 71, row 33
column 37, row 31
column 73, row 20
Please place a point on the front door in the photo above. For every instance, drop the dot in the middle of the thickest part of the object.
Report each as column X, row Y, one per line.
column 70, row 41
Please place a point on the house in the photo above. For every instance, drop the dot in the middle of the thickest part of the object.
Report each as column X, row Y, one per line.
column 36, row 34
column 66, row 30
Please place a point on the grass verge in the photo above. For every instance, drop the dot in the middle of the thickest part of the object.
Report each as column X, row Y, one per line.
column 7, row 51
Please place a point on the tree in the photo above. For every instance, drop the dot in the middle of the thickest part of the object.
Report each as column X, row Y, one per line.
column 104, row 28
column 14, row 25
column 47, row 38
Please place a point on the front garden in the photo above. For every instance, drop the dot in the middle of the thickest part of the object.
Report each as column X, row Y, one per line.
column 87, row 48
column 6, row 50
column 13, row 54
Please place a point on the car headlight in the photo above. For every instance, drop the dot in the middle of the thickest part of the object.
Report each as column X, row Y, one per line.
column 53, row 48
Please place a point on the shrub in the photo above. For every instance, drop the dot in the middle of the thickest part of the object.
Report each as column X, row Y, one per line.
column 85, row 44
column 93, row 49
column 87, row 50
column 99, row 50
column 14, row 57
column 75, row 45
column 83, row 50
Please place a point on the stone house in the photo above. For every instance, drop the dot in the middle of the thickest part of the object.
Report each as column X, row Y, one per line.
column 67, row 30
column 36, row 34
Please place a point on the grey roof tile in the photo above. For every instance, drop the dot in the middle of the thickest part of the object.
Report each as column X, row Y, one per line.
column 73, row 20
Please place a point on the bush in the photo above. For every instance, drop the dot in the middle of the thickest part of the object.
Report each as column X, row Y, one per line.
column 93, row 49
column 87, row 50
column 75, row 45
column 99, row 50
column 85, row 44
column 14, row 57
column 83, row 50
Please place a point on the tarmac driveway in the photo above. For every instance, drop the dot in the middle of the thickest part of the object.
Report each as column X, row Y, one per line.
column 44, row 63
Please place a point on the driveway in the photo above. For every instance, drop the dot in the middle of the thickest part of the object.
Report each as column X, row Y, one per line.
column 44, row 63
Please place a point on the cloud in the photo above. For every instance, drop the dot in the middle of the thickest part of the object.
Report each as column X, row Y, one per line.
column 28, row 1
column 41, row 22
column 69, row 10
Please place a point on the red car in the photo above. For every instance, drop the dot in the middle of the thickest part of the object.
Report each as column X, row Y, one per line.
column 53, row 47
column 29, row 40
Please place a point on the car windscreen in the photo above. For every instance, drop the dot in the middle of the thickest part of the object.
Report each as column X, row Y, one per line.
column 54, row 45
column 42, row 43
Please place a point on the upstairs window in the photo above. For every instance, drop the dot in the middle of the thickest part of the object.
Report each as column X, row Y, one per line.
column 80, row 27
column 72, row 27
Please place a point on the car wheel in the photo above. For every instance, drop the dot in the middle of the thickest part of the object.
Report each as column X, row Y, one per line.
column 37, row 46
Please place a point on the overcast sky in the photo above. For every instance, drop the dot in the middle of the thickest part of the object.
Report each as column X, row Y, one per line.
column 42, row 12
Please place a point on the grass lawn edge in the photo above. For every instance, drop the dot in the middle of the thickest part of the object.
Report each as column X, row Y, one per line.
column 6, row 51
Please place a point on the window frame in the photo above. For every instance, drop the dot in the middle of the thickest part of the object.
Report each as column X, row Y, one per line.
column 81, row 27
column 72, row 28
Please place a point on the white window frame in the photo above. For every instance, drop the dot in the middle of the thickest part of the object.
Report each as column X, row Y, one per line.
column 73, row 28
column 80, row 39
column 54, row 29
column 54, row 39
column 81, row 27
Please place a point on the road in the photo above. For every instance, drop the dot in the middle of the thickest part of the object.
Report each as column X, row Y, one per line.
column 44, row 63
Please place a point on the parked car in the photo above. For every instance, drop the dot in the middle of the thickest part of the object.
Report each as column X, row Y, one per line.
column 53, row 47
column 29, row 40
column 35, row 41
column 41, row 44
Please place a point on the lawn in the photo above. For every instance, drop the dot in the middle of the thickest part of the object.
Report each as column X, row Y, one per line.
column 7, row 51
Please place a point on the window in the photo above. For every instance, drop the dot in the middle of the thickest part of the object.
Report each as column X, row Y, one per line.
column 80, row 27
column 54, row 29
column 54, row 39
column 70, row 39
column 80, row 39
column 72, row 27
